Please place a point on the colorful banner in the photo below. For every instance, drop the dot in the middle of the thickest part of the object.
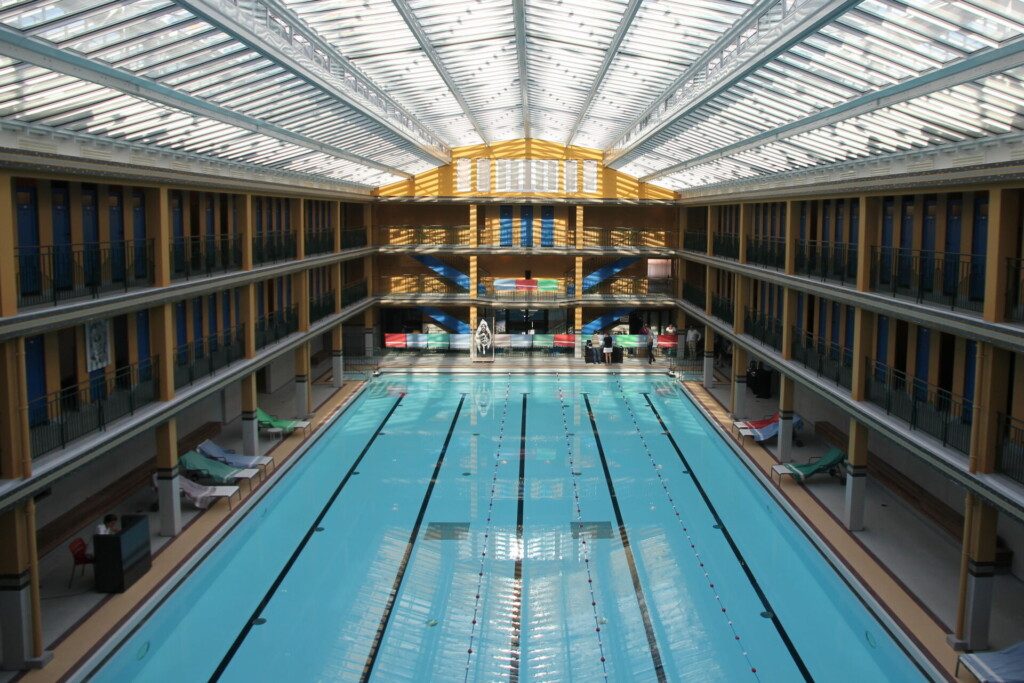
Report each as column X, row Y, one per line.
column 544, row 284
column 461, row 342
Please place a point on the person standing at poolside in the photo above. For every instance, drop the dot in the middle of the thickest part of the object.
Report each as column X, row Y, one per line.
column 651, row 340
column 608, row 343
column 692, row 337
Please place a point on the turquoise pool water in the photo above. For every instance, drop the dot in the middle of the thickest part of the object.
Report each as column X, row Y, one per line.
column 536, row 528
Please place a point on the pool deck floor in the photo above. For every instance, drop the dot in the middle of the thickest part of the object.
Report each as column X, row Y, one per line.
column 816, row 503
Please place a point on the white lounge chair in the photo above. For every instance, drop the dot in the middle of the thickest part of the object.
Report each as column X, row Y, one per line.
column 229, row 457
column 202, row 496
column 1003, row 666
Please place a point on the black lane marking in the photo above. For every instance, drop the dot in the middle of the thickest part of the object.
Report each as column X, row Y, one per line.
column 371, row 659
column 517, row 605
column 797, row 659
column 641, row 601
column 229, row 655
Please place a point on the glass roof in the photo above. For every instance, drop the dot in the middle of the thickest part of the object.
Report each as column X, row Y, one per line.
column 374, row 91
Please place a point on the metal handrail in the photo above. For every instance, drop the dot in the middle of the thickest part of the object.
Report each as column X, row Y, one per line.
column 51, row 274
column 950, row 279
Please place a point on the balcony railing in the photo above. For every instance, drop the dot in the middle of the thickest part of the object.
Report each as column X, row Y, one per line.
column 764, row 328
column 322, row 306
column 1015, row 289
column 206, row 255
column 275, row 326
column 353, row 293
column 767, row 251
column 271, row 247
column 353, row 239
column 417, row 284
column 441, row 235
column 923, row 406
column 726, row 244
column 318, row 241
column 695, row 295
column 954, row 280
column 544, row 290
column 650, row 238
column 721, row 308
column 695, row 241
column 827, row 359
column 57, row 419
column 633, row 286
column 827, row 260
column 1010, row 456
column 203, row 357
column 52, row 274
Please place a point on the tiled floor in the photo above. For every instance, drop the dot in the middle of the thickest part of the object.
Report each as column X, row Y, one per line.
column 922, row 556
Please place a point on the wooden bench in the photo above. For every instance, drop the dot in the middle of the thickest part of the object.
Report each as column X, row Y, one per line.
column 915, row 495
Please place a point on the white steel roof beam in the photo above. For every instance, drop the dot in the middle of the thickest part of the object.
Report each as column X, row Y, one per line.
column 963, row 71
column 620, row 33
column 15, row 44
column 428, row 49
column 804, row 18
column 340, row 79
column 519, row 16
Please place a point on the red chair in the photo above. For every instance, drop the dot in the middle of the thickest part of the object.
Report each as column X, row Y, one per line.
column 81, row 557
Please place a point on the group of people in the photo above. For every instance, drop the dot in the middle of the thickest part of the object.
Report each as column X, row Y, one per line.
column 692, row 338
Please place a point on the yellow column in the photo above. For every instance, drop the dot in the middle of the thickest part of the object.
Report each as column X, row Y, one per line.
column 167, row 481
column 787, row 395
column 8, row 240
column 20, row 614
column 746, row 227
column 474, row 276
column 474, row 237
column 368, row 222
column 863, row 350
column 1003, row 227
column 990, row 397
column 792, row 234
column 300, row 296
column 788, row 321
column 856, row 475
column 714, row 211
column 247, row 317
column 297, row 208
column 15, row 446
column 303, row 395
column 739, row 383
column 246, row 228
column 742, row 295
column 250, row 430
column 336, row 209
column 580, row 238
column 158, row 225
column 161, row 340
column 868, row 238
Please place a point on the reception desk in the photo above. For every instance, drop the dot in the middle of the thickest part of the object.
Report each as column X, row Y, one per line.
column 122, row 558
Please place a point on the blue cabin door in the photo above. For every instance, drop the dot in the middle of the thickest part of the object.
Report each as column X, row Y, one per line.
column 547, row 226
column 505, row 226
column 885, row 253
column 927, row 272
column 62, row 256
column 90, row 237
column 116, row 218
column 526, row 226
column 979, row 247
column 35, row 375
column 904, row 262
column 28, row 242
column 951, row 259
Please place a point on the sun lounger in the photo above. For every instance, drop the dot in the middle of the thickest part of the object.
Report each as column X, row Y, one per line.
column 756, row 424
column 215, row 451
column 830, row 462
column 762, row 430
column 277, row 426
column 214, row 470
column 202, row 496
column 1003, row 666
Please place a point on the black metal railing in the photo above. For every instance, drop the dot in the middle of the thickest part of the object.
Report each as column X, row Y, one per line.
column 1015, row 289
column 353, row 293
column 271, row 247
column 826, row 359
column 1010, row 453
column 763, row 327
column 695, row 295
column 322, row 306
column 722, row 308
column 52, row 274
column 203, row 357
column 633, row 286
column 418, row 284
column 58, row 419
column 827, row 260
column 275, row 326
column 931, row 409
column 695, row 241
column 954, row 280
column 726, row 244
column 318, row 241
column 650, row 238
column 399, row 235
column 767, row 251
column 205, row 255
column 353, row 239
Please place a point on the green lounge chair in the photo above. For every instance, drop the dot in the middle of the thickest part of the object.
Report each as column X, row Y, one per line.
column 284, row 427
column 215, row 471
column 830, row 462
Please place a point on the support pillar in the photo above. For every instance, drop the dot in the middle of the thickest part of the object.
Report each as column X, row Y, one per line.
column 9, row 287
column 977, row 575
column 856, row 475
column 739, row 382
column 787, row 390
column 337, row 357
column 168, row 484
column 250, row 433
column 709, row 357
column 303, row 394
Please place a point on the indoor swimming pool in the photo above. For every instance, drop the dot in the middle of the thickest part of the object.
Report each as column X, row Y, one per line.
column 479, row 528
